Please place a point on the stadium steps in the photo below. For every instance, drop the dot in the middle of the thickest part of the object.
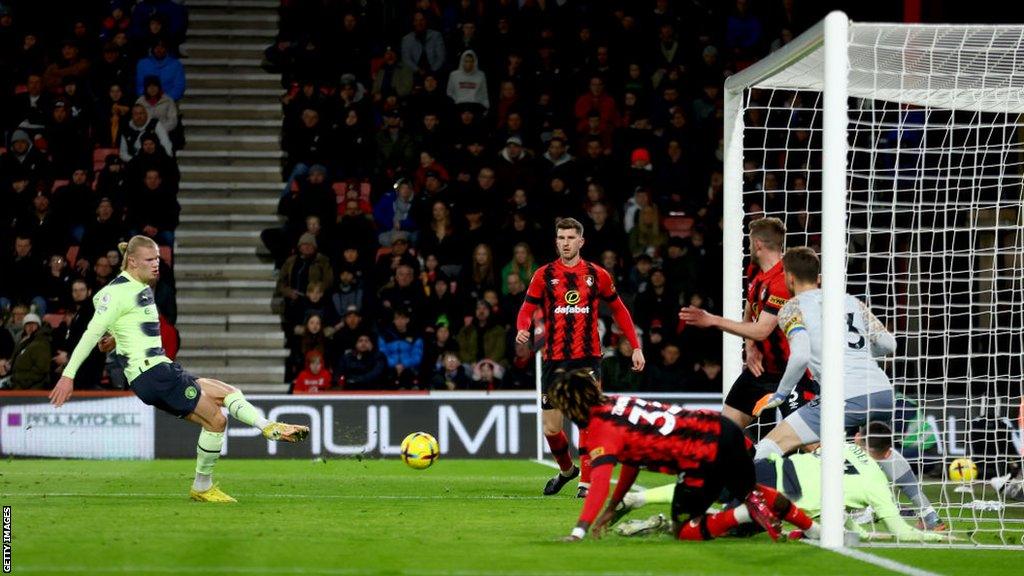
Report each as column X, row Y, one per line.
column 214, row 142
column 230, row 110
column 231, row 181
column 229, row 323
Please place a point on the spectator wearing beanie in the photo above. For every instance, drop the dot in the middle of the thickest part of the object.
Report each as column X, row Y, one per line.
column 364, row 367
column 30, row 365
column 394, row 77
column 70, row 63
column 23, row 159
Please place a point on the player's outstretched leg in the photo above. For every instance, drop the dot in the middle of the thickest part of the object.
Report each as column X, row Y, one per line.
column 244, row 412
column 784, row 509
column 584, row 485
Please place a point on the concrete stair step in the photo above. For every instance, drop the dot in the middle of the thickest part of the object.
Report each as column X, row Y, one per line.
column 263, row 323
column 235, row 206
column 233, row 159
column 227, row 340
column 249, row 143
column 243, row 34
column 218, row 50
column 213, row 95
column 231, row 154
column 195, row 271
column 233, row 357
column 264, row 205
column 224, row 305
column 229, row 189
column 201, row 64
column 244, row 377
column 227, row 70
column 185, row 238
column 233, row 4
column 213, row 81
column 226, row 288
column 231, row 174
column 214, row 19
column 230, row 111
column 220, row 255
column 234, row 127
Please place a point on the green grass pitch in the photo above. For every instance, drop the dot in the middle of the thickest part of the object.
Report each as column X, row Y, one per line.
column 341, row 517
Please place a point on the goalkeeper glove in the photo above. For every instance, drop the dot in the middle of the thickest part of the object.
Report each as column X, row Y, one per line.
column 768, row 402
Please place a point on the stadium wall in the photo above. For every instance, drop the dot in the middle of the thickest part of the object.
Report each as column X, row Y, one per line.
column 466, row 424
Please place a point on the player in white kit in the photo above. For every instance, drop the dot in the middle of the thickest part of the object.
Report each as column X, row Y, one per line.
column 866, row 388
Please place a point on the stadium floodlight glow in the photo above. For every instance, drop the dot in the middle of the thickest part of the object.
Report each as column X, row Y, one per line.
column 895, row 150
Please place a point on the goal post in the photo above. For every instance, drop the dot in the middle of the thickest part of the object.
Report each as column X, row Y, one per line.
column 896, row 151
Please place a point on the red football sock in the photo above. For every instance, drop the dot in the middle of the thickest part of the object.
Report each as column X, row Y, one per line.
column 584, row 458
column 784, row 508
column 709, row 527
column 560, row 450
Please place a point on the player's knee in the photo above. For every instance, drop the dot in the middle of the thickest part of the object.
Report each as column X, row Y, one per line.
column 218, row 423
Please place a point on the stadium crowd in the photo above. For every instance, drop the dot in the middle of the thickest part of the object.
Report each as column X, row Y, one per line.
column 431, row 145
column 90, row 124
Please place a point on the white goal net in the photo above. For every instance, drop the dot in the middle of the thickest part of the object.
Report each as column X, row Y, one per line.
column 934, row 182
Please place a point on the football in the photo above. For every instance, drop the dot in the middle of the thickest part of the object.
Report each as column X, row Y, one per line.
column 963, row 470
column 420, row 450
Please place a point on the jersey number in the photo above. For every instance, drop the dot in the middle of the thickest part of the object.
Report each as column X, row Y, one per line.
column 853, row 330
column 651, row 417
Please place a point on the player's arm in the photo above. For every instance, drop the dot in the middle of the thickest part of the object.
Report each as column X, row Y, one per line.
column 627, row 476
column 898, row 471
column 600, row 483
column 534, row 298
column 752, row 330
column 606, row 288
column 106, row 313
column 883, row 343
column 792, row 322
column 879, row 496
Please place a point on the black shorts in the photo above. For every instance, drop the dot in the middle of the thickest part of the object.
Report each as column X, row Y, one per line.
column 168, row 387
column 748, row 389
column 732, row 470
column 551, row 367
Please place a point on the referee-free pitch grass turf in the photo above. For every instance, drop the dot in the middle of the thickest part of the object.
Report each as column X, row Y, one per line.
column 342, row 517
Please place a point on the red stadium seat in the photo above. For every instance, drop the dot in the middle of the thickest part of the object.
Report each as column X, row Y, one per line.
column 72, row 256
column 59, row 184
column 678, row 225
column 53, row 320
column 99, row 157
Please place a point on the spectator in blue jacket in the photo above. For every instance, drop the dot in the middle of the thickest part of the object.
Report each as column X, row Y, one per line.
column 423, row 48
column 403, row 349
column 394, row 213
column 166, row 67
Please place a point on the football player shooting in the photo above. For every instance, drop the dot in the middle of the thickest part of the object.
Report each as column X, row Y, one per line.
column 798, row 476
column 568, row 290
column 766, row 348
column 125, row 307
column 706, row 451
column 866, row 388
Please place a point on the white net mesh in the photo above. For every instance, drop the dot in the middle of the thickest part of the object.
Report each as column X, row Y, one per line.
column 935, row 243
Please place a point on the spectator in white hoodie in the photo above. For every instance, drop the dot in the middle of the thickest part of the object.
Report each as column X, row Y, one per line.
column 467, row 84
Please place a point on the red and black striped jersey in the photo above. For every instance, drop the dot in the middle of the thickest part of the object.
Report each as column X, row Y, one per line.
column 768, row 293
column 660, row 437
column 568, row 297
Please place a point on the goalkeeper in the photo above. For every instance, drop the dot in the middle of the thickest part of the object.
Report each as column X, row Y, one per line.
column 798, row 476
column 125, row 307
